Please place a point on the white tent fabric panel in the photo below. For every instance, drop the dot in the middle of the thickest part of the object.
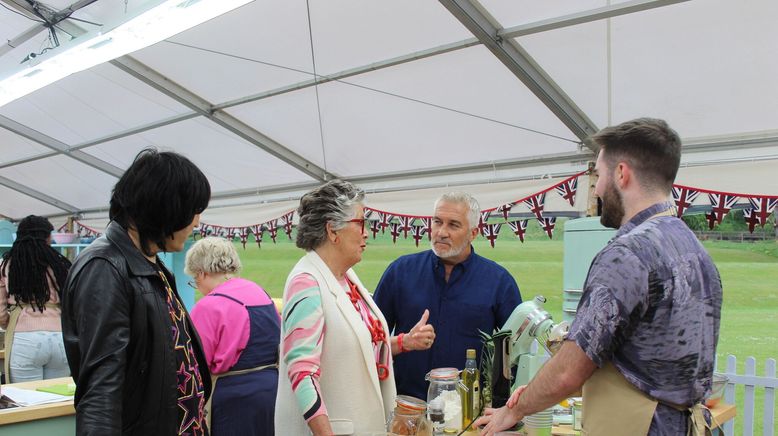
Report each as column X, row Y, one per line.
column 348, row 33
column 16, row 147
column 91, row 104
column 736, row 177
column 247, row 215
column 64, row 179
column 291, row 119
column 18, row 205
column 228, row 161
column 516, row 12
column 699, row 63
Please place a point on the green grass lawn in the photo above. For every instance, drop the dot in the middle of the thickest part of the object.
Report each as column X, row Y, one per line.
column 749, row 274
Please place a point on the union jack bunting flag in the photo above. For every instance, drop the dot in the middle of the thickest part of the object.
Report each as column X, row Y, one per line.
column 536, row 204
column 426, row 222
column 375, row 226
column 761, row 208
column 287, row 222
column 519, row 228
column 418, row 233
column 395, row 229
column 256, row 229
column 548, row 224
column 505, row 209
column 683, row 199
column 567, row 190
column 751, row 218
column 721, row 205
column 243, row 235
column 383, row 220
column 485, row 214
column 272, row 228
column 490, row 232
column 368, row 212
column 405, row 224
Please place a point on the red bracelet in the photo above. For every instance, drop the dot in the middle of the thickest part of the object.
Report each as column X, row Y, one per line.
column 400, row 342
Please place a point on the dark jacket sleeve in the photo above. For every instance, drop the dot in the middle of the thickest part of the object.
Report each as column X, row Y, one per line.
column 96, row 326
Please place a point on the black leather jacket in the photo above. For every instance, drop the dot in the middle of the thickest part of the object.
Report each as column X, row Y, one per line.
column 117, row 333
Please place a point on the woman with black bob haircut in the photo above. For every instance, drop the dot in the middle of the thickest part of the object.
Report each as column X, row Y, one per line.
column 31, row 276
column 135, row 356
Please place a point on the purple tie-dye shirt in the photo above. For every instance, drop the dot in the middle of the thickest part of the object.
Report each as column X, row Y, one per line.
column 651, row 305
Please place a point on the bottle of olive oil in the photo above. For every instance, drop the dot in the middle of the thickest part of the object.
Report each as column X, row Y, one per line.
column 471, row 400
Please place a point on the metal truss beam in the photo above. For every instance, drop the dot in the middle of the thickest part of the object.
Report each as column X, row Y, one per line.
column 223, row 119
column 522, row 30
column 587, row 16
column 26, row 190
column 521, row 64
column 62, row 148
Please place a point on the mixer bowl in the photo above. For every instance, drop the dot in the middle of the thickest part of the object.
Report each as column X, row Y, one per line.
column 717, row 390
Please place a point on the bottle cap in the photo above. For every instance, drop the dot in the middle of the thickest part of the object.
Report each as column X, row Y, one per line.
column 470, row 353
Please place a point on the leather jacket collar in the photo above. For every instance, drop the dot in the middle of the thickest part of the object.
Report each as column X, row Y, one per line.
column 138, row 264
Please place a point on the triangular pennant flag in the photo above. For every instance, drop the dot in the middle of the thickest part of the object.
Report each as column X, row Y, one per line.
column 485, row 214
column 256, row 229
column 368, row 212
column 490, row 232
column 505, row 209
column 405, row 225
column 547, row 224
column 751, row 218
column 395, row 229
column 721, row 205
column 536, row 204
column 519, row 228
column 287, row 221
column 383, row 220
column 567, row 190
column 244, row 236
column 375, row 226
column 683, row 198
column 272, row 228
column 427, row 223
column 761, row 208
column 418, row 233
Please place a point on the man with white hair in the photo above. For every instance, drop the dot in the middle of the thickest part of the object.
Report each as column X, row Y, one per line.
column 449, row 287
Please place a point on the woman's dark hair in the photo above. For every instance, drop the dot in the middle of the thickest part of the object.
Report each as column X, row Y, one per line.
column 31, row 262
column 159, row 194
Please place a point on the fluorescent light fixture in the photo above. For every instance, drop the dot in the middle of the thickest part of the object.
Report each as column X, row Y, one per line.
column 155, row 24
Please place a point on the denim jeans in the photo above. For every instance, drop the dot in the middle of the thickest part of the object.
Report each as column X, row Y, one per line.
column 37, row 356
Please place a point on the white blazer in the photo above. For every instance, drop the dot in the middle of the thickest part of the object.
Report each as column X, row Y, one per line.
column 356, row 401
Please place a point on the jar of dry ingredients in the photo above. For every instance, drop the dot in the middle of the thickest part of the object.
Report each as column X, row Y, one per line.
column 409, row 417
column 576, row 403
column 446, row 389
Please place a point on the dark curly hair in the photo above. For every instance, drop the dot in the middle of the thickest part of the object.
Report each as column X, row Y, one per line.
column 32, row 263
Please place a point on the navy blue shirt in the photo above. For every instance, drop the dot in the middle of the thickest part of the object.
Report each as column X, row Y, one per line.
column 479, row 295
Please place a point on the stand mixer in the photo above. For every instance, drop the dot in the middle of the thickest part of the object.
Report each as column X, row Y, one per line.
column 513, row 350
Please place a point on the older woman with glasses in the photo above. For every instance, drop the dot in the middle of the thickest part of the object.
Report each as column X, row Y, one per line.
column 336, row 367
column 239, row 329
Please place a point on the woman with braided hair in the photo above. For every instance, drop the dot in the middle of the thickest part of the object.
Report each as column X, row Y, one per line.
column 31, row 277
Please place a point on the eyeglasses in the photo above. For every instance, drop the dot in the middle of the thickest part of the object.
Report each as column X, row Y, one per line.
column 361, row 222
column 192, row 284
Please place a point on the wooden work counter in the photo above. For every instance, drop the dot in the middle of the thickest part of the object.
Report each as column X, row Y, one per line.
column 721, row 414
column 33, row 413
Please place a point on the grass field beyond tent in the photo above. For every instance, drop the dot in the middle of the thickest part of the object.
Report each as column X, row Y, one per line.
column 749, row 274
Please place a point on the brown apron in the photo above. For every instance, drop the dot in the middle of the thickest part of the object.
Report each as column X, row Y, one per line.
column 14, row 313
column 612, row 406
column 215, row 378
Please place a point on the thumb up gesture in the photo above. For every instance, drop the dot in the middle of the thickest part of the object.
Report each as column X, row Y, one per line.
column 422, row 335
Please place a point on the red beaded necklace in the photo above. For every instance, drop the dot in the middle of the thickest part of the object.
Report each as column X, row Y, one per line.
column 377, row 334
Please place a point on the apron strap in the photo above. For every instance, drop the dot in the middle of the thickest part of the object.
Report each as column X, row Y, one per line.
column 216, row 377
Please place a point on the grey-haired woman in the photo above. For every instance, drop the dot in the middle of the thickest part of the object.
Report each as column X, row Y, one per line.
column 335, row 373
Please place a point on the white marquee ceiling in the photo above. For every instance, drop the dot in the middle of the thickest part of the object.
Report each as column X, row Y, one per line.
column 410, row 97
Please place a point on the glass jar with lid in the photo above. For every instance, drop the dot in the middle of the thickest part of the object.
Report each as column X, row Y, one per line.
column 409, row 417
column 445, row 391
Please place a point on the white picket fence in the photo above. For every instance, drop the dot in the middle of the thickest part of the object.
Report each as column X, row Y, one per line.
column 751, row 381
